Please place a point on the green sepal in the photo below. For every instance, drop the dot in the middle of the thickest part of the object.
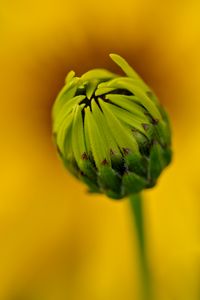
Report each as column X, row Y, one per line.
column 167, row 156
column 93, row 188
column 132, row 183
column 71, row 165
column 156, row 161
column 143, row 142
column 88, row 169
column 109, row 181
column 113, row 195
column 117, row 162
column 135, row 163
column 162, row 132
column 164, row 115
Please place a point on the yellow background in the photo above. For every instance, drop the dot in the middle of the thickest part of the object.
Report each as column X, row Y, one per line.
column 56, row 241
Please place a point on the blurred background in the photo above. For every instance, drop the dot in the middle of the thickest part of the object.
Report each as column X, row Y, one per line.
column 56, row 241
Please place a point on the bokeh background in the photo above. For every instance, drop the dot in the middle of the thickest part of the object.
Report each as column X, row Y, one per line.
column 56, row 241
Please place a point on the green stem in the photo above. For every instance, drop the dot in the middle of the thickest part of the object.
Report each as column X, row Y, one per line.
column 136, row 205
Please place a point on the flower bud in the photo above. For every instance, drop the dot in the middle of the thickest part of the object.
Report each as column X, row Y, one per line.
column 111, row 132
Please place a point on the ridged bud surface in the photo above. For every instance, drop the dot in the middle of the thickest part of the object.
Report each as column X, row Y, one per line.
column 111, row 132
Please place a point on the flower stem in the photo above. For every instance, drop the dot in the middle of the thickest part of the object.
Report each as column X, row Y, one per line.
column 136, row 205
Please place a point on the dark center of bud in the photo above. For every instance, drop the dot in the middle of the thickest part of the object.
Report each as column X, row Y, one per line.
column 87, row 101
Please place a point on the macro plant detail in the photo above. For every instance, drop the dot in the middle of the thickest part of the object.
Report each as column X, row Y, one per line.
column 111, row 132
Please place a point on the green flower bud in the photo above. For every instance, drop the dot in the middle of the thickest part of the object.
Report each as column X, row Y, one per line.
column 111, row 132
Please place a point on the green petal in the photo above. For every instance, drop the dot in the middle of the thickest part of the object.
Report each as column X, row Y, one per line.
column 67, row 92
column 110, row 142
column 142, row 98
column 65, row 110
column 78, row 140
column 63, row 133
column 132, row 81
column 86, row 134
column 90, row 87
column 127, row 118
column 122, row 136
column 126, row 102
column 69, row 76
column 96, row 139
column 103, row 90
column 122, row 63
column 97, row 74
column 153, row 97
